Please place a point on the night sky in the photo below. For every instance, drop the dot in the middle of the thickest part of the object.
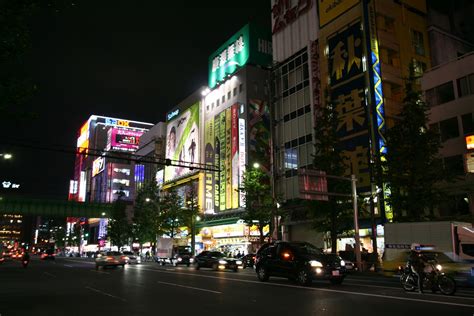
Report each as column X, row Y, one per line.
column 126, row 59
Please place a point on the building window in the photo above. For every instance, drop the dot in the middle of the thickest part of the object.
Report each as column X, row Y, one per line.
column 466, row 85
column 241, row 87
column 217, row 102
column 468, row 123
column 235, row 91
column 223, row 99
column 212, row 105
column 440, row 94
column 419, row 68
column 228, row 95
column 449, row 129
column 291, row 158
column 454, row 165
column 207, row 108
column 417, row 42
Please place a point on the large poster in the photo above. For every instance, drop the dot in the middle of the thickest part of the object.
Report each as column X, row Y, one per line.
column 235, row 155
column 209, row 156
column 217, row 159
column 182, row 137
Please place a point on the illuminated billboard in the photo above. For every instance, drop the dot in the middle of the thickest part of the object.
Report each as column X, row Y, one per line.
column 182, row 142
column 123, row 139
column 98, row 166
column 83, row 140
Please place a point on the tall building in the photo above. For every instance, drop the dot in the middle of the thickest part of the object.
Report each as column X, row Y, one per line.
column 224, row 127
column 357, row 52
column 99, row 177
column 449, row 91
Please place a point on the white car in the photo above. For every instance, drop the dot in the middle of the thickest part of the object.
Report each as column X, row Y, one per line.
column 110, row 259
column 132, row 258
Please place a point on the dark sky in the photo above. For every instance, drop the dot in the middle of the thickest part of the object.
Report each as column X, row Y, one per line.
column 127, row 59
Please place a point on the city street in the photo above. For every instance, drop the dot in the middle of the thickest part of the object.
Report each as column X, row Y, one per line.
column 70, row 286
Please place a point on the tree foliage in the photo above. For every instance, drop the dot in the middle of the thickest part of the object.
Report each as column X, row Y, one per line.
column 171, row 213
column 119, row 228
column 259, row 203
column 412, row 166
column 335, row 214
column 146, row 213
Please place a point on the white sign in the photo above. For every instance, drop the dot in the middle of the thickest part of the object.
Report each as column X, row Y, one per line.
column 242, row 158
column 10, row 185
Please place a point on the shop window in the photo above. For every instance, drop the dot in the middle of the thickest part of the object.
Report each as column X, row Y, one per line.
column 468, row 123
column 418, row 42
column 454, row 165
column 449, row 129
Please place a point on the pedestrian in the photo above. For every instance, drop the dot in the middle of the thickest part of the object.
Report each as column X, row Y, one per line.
column 147, row 255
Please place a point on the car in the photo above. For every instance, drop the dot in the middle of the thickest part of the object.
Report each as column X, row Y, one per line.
column 16, row 255
column 298, row 261
column 110, row 259
column 132, row 258
column 182, row 255
column 216, row 260
column 248, row 260
column 48, row 255
column 349, row 259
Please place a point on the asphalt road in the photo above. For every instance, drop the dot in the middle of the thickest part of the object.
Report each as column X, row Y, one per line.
column 73, row 287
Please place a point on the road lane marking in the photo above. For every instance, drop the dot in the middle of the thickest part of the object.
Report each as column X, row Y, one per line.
column 190, row 287
column 78, row 261
column 104, row 293
column 100, row 272
column 67, row 265
column 324, row 290
column 49, row 274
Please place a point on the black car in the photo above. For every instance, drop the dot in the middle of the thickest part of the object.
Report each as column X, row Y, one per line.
column 248, row 260
column 217, row 261
column 298, row 261
column 182, row 255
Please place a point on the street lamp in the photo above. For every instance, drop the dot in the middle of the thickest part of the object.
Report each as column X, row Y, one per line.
column 6, row 156
column 256, row 165
column 147, row 200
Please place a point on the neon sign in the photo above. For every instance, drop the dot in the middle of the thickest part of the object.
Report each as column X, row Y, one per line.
column 172, row 114
column 115, row 122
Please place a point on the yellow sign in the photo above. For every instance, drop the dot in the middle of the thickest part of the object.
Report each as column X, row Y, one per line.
column 331, row 9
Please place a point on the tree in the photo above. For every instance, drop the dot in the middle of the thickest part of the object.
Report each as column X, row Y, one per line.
column 335, row 214
column 190, row 213
column 171, row 214
column 119, row 228
column 146, row 213
column 412, row 167
column 259, row 202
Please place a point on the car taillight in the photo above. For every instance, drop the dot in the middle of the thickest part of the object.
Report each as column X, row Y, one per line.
column 109, row 258
column 124, row 258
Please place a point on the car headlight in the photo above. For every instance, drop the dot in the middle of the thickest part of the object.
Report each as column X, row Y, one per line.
column 343, row 263
column 439, row 267
column 191, row 260
column 222, row 262
column 238, row 262
column 180, row 259
column 315, row 263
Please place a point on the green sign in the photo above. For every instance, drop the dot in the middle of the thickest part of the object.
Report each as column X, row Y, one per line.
column 250, row 45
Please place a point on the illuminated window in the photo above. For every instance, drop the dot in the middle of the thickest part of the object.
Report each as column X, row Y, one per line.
column 291, row 158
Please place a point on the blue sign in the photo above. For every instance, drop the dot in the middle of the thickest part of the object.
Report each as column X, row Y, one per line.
column 172, row 114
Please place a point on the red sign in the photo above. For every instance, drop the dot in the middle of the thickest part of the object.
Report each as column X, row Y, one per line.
column 283, row 15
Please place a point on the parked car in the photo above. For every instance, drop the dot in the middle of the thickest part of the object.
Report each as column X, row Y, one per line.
column 132, row 258
column 248, row 260
column 217, row 261
column 349, row 259
column 110, row 259
column 298, row 261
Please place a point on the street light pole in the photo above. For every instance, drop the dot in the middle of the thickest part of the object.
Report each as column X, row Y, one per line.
column 356, row 222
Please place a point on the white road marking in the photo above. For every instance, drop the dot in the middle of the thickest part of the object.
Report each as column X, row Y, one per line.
column 322, row 290
column 78, row 261
column 100, row 272
column 67, row 265
column 49, row 274
column 104, row 293
column 190, row 287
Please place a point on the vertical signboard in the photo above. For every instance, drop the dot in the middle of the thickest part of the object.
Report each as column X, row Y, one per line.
column 228, row 158
column 235, row 155
column 222, row 161
column 217, row 159
column 209, row 156
column 242, row 153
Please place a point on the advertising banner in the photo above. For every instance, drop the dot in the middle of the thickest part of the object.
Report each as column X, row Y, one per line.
column 217, row 159
column 331, row 9
column 242, row 158
column 98, row 166
column 209, row 157
column 124, row 139
column 222, row 161
column 228, row 158
column 235, row 155
column 182, row 137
